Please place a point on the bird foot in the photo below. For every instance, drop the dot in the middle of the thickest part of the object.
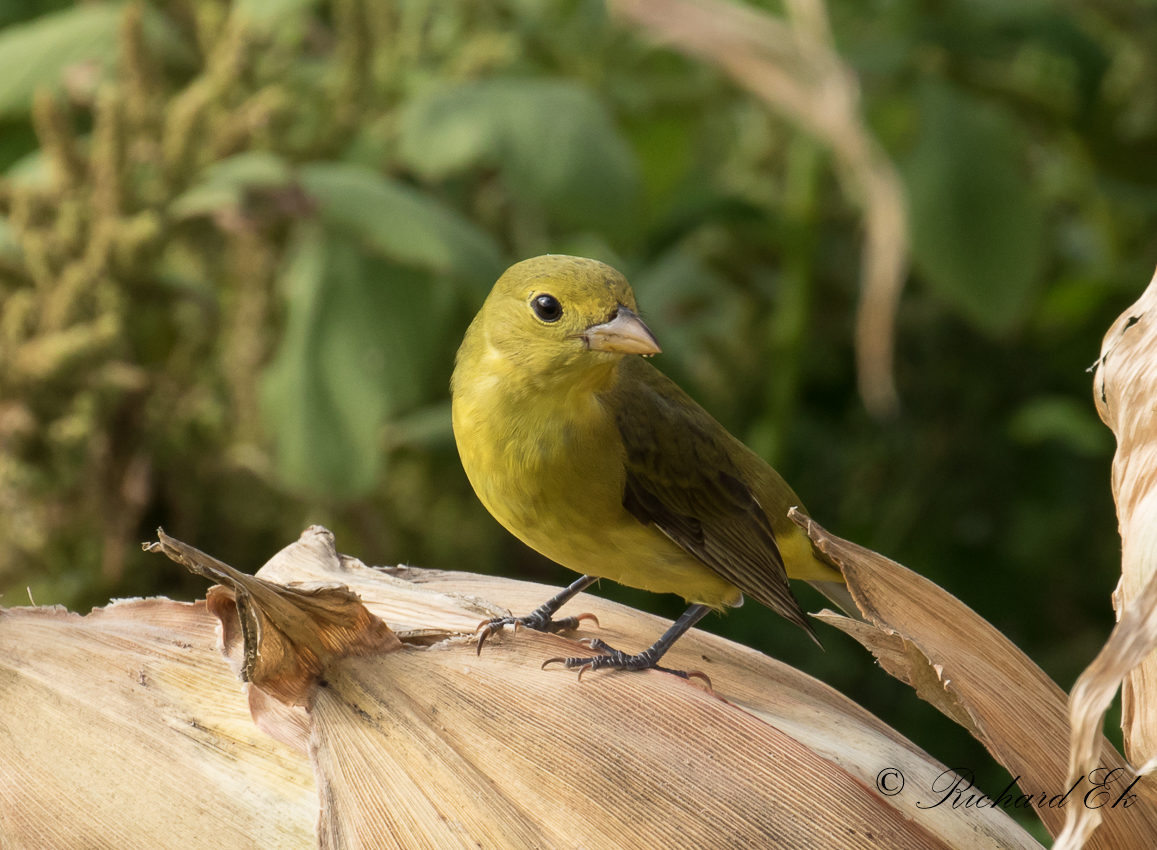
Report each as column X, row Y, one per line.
column 616, row 659
column 539, row 620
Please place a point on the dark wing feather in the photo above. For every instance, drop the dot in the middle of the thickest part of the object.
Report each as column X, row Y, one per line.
column 682, row 478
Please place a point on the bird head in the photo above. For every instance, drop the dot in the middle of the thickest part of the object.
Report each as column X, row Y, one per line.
column 556, row 312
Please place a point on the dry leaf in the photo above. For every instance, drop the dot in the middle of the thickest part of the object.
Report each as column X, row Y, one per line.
column 965, row 667
column 1125, row 389
column 492, row 749
column 288, row 633
column 126, row 728
column 423, row 744
column 408, row 608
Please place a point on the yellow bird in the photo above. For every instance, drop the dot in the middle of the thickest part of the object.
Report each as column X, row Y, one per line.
column 589, row 454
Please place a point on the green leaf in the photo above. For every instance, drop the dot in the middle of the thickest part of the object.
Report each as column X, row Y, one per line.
column 428, row 427
column 353, row 355
column 264, row 14
column 36, row 53
column 252, row 168
column 17, row 140
column 30, row 170
column 553, row 139
column 401, row 223
column 395, row 221
column 227, row 181
column 665, row 146
column 9, row 247
column 1063, row 419
column 977, row 227
column 692, row 310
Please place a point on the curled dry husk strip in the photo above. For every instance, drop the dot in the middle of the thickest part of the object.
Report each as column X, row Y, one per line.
column 1125, row 391
column 964, row 666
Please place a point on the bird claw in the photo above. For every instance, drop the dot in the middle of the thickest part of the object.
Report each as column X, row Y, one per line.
column 697, row 674
column 540, row 622
column 595, row 644
column 566, row 624
column 485, row 629
column 612, row 659
column 588, row 616
column 566, row 663
column 615, row 659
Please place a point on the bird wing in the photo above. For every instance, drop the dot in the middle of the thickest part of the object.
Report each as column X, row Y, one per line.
column 682, row 478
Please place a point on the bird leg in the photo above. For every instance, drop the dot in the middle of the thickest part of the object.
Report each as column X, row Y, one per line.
column 648, row 659
column 541, row 619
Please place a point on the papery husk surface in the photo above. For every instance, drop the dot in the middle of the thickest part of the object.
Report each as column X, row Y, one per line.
column 125, row 728
column 960, row 663
column 420, row 742
column 1125, row 391
column 493, row 749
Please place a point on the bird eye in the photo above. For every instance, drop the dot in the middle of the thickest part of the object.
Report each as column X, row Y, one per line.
column 547, row 308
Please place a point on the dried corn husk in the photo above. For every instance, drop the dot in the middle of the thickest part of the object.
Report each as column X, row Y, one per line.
column 655, row 720
column 125, row 729
column 1125, row 389
column 961, row 664
column 423, row 743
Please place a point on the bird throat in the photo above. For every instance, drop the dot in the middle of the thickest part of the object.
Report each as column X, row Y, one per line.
column 559, row 404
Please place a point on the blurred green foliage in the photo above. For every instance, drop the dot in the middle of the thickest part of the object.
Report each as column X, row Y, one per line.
column 239, row 245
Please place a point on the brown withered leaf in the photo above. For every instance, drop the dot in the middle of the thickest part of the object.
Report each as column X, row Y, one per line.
column 125, row 728
column 1125, row 391
column 965, row 667
column 435, row 746
column 408, row 608
column 903, row 659
column 288, row 633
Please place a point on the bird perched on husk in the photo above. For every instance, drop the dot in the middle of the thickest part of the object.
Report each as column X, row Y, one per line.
column 587, row 453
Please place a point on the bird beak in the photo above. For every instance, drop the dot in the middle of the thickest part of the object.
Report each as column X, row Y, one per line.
column 625, row 333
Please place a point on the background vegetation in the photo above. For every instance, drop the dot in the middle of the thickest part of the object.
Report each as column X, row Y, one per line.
column 239, row 244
